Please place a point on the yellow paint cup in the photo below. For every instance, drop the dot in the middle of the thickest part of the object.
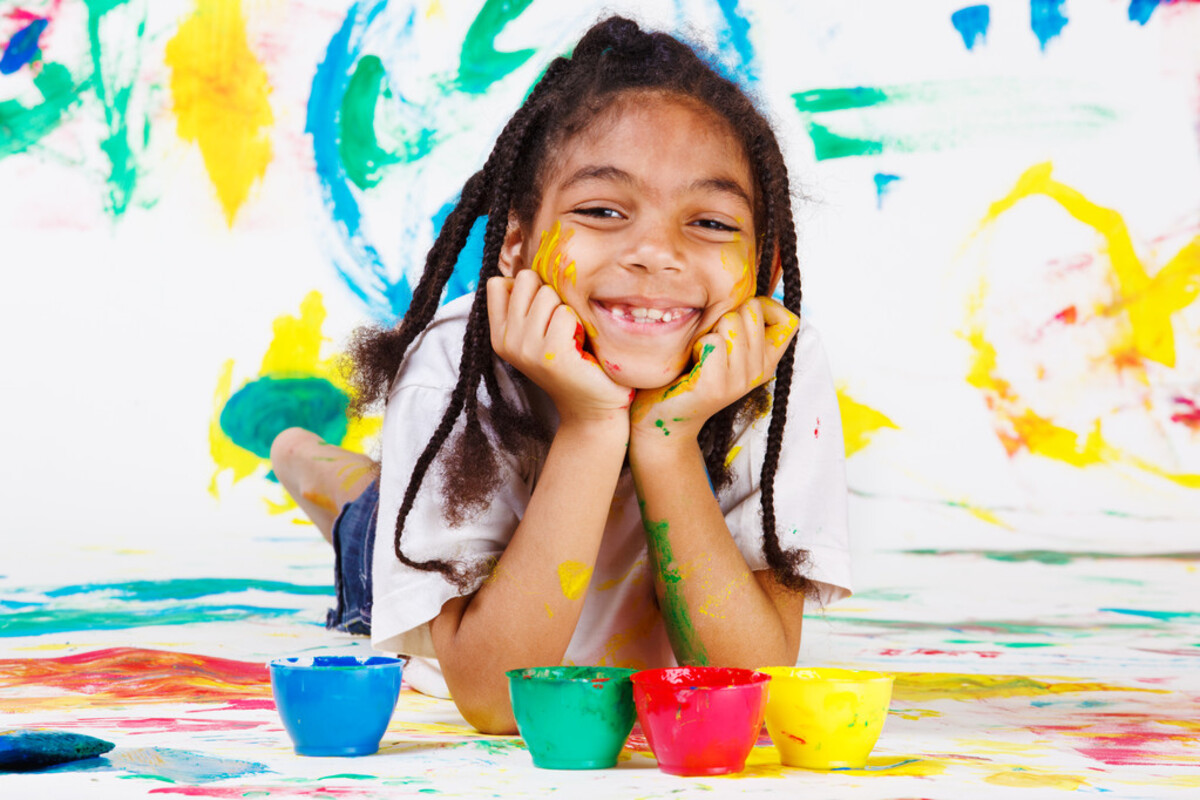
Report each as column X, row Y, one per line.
column 826, row 718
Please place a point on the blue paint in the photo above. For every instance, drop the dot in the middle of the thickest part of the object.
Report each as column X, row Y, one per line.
column 1140, row 10
column 972, row 24
column 264, row 408
column 167, row 764
column 1047, row 19
column 22, row 47
column 56, row 619
column 23, row 751
column 465, row 278
column 361, row 267
column 883, row 183
column 1164, row 616
column 186, row 589
column 735, row 38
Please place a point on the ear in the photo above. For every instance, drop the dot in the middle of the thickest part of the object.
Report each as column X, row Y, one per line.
column 776, row 273
column 512, row 258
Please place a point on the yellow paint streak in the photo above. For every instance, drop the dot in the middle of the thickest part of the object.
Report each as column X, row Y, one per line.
column 638, row 565
column 296, row 346
column 733, row 453
column 1028, row 778
column 225, row 454
column 711, row 607
column 220, row 92
column 779, row 333
column 435, row 10
column 548, row 261
column 915, row 687
column 321, row 501
column 860, row 422
column 573, row 577
column 356, row 472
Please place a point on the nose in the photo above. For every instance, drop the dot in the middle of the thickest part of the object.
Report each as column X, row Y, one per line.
column 654, row 246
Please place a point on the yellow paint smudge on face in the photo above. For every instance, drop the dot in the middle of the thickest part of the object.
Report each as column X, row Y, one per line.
column 737, row 257
column 549, row 356
column 548, row 261
column 1028, row 778
column 573, row 577
column 860, row 422
column 915, row 687
column 220, row 93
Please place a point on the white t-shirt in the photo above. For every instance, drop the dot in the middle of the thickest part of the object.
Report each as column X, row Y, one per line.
column 620, row 624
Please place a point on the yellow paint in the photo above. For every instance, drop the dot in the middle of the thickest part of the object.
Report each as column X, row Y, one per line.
column 220, row 92
column 356, row 472
column 638, row 565
column 549, row 356
column 915, row 687
column 733, row 453
column 435, row 10
column 877, row 766
column 321, row 501
column 1028, row 779
column 779, row 333
column 573, row 577
column 548, row 261
column 549, row 611
column 295, row 348
column 225, row 454
column 860, row 423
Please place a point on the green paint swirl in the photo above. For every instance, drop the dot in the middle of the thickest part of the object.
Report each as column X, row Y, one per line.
column 682, row 633
column 480, row 64
column 23, row 126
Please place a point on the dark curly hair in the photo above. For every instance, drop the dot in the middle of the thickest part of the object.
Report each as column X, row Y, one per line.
column 615, row 56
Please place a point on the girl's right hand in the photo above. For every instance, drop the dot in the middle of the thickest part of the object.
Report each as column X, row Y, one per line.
column 537, row 333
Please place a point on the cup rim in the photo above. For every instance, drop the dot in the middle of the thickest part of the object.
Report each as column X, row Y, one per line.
column 846, row 675
column 686, row 677
column 613, row 673
column 361, row 662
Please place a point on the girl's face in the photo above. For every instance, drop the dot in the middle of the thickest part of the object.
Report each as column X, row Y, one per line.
column 646, row 231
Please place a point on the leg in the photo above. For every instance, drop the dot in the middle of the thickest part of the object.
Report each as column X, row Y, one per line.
column 320, row 477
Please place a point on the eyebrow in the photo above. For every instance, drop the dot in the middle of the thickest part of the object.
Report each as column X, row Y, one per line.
column 607, row 172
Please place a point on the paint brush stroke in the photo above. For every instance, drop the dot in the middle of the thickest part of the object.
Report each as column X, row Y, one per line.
column 972, row 24
column 186, row 589
column 1058, row 557
column 1046, row 20
column 480, row 63
column 55, row 619
column 22, row 47
column 934, row 116
column 25, row 126
column 166, row 764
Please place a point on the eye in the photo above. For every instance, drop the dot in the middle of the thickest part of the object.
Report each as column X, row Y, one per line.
column 598, row 212
column 716, row 225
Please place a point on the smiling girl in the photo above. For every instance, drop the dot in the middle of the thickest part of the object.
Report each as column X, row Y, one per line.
column 620, row 450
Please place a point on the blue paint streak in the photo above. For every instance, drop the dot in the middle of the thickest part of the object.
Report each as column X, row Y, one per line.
column 972, row 24
column 187, row 588
column 465, row 278
column 883, row 183
column 1164, row 616
column 364, row 271
column 736, row 38
column 1047, row 19
column 1140, row 10
column 170, row 764
column 22, row 47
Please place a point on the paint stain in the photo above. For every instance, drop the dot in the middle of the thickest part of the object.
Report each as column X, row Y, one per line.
column 322, row 501
column 220, row 93
column 573, row 578
column 883, row 185
column 23, row 47
column 860, row 423
column 549, row 262
column 915, row 687
column 680, row 629
column 1046, row 19
column 361, row 154
column 1024, row 778
column 480, row 63
column 972, row 23
column 732, row 454
column 646, row 401
column 24, row 126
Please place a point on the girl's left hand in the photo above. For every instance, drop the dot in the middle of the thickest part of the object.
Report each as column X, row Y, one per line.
column 739, row 354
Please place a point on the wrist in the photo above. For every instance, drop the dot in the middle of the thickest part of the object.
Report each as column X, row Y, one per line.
column 662, row 446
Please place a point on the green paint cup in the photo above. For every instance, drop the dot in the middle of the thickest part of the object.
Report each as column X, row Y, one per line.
column 573, row 717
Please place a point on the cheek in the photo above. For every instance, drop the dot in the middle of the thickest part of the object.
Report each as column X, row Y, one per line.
column 552, row 263
column 737, row 258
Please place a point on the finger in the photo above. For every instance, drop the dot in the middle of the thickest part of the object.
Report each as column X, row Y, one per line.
column 732, row 332
column 753, row 344
column 781, row 324
column 545, row 302
column 565, row 332
column 499, row 290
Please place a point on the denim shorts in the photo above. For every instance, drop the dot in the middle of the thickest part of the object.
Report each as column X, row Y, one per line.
column 353, row 544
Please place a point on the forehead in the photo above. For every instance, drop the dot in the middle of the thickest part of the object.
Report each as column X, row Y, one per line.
column 656, row 135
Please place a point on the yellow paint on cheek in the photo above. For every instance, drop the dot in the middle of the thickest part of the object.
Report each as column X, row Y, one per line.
column 220, row 92
column 548, row 261
column 573, row 577
column 549, row 356
column 860, row 423
column 1027, row 778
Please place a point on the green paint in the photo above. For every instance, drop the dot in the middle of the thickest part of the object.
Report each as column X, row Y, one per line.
column 1162, row 616
column 261, row 409
column 662, row 426
column 684, row 641
column 1058, row 557
column 186, row 588
column 480, row 64
column 1016, row 645
column 991, row 626
column 113, row 89
column 362, row 157
column 64, row 620
column 933, row 116
column 22, row 127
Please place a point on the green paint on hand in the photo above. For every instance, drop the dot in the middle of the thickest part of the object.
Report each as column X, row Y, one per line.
column 682, row 632
column 480, row 64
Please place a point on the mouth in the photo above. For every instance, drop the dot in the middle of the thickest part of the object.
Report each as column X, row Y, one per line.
column 646, row 316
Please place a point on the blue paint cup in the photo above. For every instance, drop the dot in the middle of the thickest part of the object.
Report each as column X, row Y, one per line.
column 336, row 705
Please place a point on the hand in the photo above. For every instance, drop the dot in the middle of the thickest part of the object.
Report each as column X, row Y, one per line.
column 739, row 354
column 532, row 329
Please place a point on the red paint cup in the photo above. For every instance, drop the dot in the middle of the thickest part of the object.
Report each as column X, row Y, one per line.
column 700, row 720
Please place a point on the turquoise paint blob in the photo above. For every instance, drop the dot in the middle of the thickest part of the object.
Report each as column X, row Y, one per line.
column 185, row 589
column 54, row 619
column 573, row 717
column 262, row 409
column 972, row 24
column 883, row 185
column 1047, row 19
column 1140, row 10
column 24, row 126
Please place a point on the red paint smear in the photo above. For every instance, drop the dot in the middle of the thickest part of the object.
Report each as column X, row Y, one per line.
column 923, row 651
column 162, row 724
column 611, row 366
column 817, row 430
column 1124, row 739
column 1067, row 315
column 1190, row 415
column 147, row 676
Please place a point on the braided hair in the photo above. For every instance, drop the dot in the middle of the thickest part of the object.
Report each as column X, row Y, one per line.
column 615, row 56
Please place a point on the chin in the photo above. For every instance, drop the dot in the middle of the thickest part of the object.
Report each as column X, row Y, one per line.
column 637, row 376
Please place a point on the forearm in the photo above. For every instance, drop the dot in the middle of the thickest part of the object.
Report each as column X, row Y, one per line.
column 525, row 614
column 715, row 610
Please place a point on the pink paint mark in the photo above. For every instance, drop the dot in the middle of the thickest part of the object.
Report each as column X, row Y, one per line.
column 1068, row 315
column 611, row 367
column 1128, row 739
column 163, row 724
column 1189, row 413
column 817, row 429
column 924, row 651
column 252, row 790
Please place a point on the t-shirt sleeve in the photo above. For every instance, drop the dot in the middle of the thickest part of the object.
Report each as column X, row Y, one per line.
column 405, row 599
column 810, row 497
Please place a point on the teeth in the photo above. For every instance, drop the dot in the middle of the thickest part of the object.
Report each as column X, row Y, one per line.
column 645, row 315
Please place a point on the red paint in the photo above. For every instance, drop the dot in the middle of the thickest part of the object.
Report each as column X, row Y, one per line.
column 1128, row 739
column 164, row 724
column 925, row 651
column 611, row 367
column 700, row 720
column 1068, row 315
column 795, row 737
column 1189, row 413
column 817, row 430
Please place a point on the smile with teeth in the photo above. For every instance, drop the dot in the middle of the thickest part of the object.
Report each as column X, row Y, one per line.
column 648, row 316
